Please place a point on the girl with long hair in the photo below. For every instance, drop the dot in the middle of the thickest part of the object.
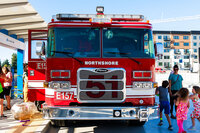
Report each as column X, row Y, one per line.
column 7, row 85
column 182, row 104
column 2, row 79
column 196, row 104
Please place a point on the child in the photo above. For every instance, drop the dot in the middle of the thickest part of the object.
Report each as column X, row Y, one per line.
column 196, row 104
column 182, row 109
column 164, row 102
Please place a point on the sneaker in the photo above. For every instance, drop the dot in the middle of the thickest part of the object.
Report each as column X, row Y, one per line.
column 7, row 108
column 2, row 117
column 192, row 128
column 160, row 123
column 170, row 127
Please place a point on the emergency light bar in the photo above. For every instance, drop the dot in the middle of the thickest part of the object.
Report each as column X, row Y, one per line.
column 100, row 20
column 75, row 16
column 114, row 17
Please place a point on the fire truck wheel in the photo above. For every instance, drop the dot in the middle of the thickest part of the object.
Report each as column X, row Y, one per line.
column 136, row 123
column 60, row 123
column 38, row 105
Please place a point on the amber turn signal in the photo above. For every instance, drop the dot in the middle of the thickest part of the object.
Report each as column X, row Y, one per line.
column 155, row 85
column 45, row 84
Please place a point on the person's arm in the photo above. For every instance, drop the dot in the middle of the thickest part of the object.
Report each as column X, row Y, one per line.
column 191, row 97
column 177, row 101
column 195, row 97
column 3, row 77
column 170, row 83
column 181, row 80
column 170, row 92
column 177, row 94
column 23, row 76
column 9, row 78
column 157, row 91
column 169, row 88
column 188, row 104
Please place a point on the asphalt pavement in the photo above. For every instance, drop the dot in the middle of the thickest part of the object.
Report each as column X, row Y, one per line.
column 41, row 125
column 122, row 126
column 10, row 125
column 151, row 126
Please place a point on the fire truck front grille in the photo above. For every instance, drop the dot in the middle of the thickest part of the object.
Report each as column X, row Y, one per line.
column 101, row 85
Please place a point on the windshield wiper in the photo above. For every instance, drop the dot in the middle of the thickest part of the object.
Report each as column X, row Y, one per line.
column 68, row 54
column 125, row 54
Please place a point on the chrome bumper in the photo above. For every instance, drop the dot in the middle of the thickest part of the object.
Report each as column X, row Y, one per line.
column 142, row 113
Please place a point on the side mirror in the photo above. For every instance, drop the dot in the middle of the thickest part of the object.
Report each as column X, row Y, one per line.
column 155, row 47
column 40, row 48
column 43, row 49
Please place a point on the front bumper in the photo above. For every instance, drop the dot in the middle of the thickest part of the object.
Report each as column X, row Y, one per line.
column 142, row 113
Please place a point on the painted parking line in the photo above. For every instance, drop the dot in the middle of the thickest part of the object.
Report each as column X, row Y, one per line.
column 36, row 124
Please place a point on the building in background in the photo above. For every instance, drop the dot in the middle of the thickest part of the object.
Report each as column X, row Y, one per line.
column 180, row 47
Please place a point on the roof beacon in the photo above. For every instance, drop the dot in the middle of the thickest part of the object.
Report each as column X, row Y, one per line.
column 100, row 9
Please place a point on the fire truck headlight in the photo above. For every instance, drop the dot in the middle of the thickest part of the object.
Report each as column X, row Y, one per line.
column 146, row 85
column 137, row 85
column 55, row 85
column 65, row 85
column 61, row 85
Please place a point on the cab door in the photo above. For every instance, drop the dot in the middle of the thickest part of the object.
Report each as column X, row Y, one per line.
column 36, row 66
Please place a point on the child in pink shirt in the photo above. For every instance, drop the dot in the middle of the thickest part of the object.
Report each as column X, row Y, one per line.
column 196, row 103
column 182, row 104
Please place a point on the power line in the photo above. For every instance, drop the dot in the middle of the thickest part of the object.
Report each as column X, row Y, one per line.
column 175, row 19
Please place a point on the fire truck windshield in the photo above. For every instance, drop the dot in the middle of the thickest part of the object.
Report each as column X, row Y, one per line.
column 78, row 42
column 85, row 42
column 125, row 42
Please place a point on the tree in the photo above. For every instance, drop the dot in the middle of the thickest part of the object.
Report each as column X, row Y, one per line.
column 6, row 63
column 14, row 61
column 0, row 62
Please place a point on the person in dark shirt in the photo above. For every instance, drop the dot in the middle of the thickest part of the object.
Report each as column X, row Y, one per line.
column 163, row 92
column 175, row 84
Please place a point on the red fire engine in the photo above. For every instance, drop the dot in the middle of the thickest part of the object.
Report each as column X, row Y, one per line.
column 94, row 67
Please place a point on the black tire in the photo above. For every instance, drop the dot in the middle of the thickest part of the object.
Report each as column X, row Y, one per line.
column 38, row 105
column 136, row 123
column 60, row 123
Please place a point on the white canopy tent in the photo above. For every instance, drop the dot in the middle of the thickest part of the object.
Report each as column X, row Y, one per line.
column 16, row 18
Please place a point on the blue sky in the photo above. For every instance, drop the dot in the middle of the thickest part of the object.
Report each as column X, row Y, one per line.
column 152, row 9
